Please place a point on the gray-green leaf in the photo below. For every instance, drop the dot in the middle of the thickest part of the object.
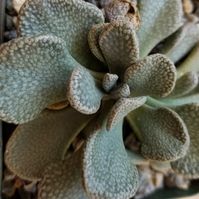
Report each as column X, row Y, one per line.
column 70, row 20
column 189, row 165
column 163, row 134
column 42, row 141
column 119, row 46
column 159, row 19
column 63, row 179
column 154, row 75
column 83, row 92
column 33, row 74
column 108, row 171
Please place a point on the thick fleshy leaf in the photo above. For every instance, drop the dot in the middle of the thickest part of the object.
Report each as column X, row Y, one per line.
column 163, row 134
column 83, row 93
column 158, row 21
column 155, row 75
column 121, row 91
column 109, row 81
column 191, row 63
column 121, row 108
column 33, row 74
column 185, row 84
column 93, row 40
column 119, row 41
column 189, row 165
column 186, row 38
column 70, row 20
column 173, row 102
column 63, row 180
column 108, row 171
column 42, row 141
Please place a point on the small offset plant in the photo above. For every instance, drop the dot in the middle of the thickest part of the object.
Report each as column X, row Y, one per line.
column 70, row 72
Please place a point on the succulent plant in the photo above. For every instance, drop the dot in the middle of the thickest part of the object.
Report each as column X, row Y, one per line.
column 70, row 72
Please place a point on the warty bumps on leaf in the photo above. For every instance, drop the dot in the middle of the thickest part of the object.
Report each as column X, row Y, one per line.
column 67, row 53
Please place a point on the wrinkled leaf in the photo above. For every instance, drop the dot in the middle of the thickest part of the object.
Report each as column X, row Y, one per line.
column 93, row 40
column 121, row 108
column 119, row 41
column 33, row 74
column 70, row 20
column 163, row 134
column 36, row 144
column 154, row 75
column 108, row 171
column 63, row 180
column 83, row 93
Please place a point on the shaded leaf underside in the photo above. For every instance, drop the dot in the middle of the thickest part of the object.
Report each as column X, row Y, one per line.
column 42, row 141
column 159, row 19
column 185, row 84
column 185, row 40
column 63, row 180
column 189, row 164
column 190, row 64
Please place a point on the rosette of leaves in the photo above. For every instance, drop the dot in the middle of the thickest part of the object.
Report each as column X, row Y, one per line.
column 67, row 55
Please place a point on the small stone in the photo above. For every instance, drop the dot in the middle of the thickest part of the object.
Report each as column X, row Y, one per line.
column 188, row 6
column 176, row 180
column 150, row 181
column 17, row 4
